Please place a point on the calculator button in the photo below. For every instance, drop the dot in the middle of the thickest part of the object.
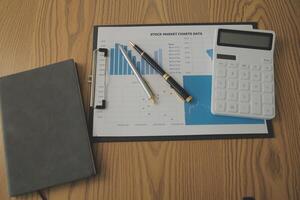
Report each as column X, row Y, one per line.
column 267, row 60
column 255, row 86
column 268, row 98
column 232, row 84
column 244, row 108
column 220, row 83
column 255, row 97
column 244, row 96
column 232, row 65
column 232, row 73
column 267, row 67
column 244, row 74
column 220, row 71
column 267, row 87
column 267, row 76
column 256, row 108
column 220, row 94
column 220, row 106
column 244, row 85
column 244, row 66
column 256, row 103
column 268, row 110
column 255, row 75
column 221, row 63
column 255, row 67
column 232, row 95
column 232, row 107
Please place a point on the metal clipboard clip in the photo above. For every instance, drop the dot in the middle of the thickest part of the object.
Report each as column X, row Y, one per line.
column 99, row 67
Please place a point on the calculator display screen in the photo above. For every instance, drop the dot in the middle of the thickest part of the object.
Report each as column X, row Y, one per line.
column 245, row 39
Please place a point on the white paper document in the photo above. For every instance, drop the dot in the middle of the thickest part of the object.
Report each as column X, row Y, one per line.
column 183, row 51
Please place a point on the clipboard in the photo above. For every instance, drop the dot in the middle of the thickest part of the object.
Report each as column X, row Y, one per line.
column 270, row 133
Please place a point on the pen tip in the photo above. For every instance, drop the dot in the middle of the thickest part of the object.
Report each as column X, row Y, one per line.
column 131, row 43
column 189, row 99
column 152, row 100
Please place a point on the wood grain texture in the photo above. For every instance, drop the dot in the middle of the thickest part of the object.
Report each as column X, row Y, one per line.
column 39, row 32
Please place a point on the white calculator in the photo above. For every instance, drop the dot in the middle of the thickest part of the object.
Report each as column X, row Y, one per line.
column 243, row 74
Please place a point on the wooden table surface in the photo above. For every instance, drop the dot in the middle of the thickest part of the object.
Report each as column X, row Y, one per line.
column 39, row 32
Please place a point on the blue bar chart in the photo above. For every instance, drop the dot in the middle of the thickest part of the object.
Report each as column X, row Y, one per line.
column 119, row 66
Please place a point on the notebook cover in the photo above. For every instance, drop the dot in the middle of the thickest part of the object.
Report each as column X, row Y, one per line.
column 44, row 129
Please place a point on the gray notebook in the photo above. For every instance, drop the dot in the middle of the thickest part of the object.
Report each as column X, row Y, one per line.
column 45, row 133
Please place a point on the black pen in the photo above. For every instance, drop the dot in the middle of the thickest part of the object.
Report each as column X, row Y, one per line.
column 178, row 89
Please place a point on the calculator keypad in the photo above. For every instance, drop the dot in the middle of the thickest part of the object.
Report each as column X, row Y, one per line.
column 242, row 89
